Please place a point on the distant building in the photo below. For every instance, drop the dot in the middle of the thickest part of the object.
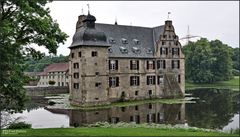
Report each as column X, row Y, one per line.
column 57, row 72
column 110, row 62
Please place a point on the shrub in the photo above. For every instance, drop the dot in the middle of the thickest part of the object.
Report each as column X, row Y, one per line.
column 51, row 82
column 235, row 72
column 20, row 125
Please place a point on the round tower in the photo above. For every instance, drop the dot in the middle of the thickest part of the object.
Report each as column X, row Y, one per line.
column 88, row 65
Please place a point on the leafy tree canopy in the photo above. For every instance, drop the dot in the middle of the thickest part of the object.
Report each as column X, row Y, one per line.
column 207, row 62
column 23, row 23
column 33, row 65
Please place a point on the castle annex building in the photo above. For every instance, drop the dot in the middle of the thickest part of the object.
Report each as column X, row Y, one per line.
column 111, row 62
column 57, row 72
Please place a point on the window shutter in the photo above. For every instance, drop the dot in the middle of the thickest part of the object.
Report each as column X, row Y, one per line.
column 153, row 64
column 172, row 51
column 158, row 64
column 147, row 80
column 131, row 82
column 179, row 78
column 117, row 81
column 166, row 51
column 164, row 64
column 109, row 64
column 154, row 80
column 147, row 64
column 137, row 64
column 116, row 64
column 138, row 81
column 131, row 64
column 178, row 63
column 172, row 64
column 161, row 51
column 110, row 81
column 148, row 118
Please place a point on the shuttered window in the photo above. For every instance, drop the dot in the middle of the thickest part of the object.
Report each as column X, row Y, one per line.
column 113, row 81
column 161, row 64
column 150, row 64
column 151, row 80
column 113, row 64
column 134, row 64
column 134, row 81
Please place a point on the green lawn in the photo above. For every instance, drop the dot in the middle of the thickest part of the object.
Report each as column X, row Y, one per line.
column 98, row 131
column 232, row 84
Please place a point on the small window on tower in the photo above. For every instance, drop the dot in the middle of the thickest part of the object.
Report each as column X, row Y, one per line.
column 98, row 84
column 94, row 53
column 79, row 54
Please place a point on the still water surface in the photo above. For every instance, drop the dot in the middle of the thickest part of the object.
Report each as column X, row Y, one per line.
column 215, row 109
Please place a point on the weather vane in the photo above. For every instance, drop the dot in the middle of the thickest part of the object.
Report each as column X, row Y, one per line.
column 169, row 14
column 82, row 11
column 88, row 9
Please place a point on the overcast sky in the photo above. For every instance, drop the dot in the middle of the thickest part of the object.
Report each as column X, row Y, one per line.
column 212, row 20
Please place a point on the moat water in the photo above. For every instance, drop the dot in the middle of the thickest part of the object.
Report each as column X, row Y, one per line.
column 214, row 109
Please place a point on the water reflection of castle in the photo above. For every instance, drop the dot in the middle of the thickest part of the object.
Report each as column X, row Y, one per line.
column 146, row 113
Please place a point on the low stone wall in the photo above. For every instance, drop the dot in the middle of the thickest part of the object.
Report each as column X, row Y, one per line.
column 43, row 91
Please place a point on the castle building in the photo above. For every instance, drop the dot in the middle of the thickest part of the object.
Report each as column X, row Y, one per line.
column 111, row 62
column 57, row 72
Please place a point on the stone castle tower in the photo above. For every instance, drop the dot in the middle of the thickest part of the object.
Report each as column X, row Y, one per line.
column 88, row 64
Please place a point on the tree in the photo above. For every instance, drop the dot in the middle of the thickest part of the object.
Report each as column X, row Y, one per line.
column 222, row 63
column 198, row 61
column 207, row 62
column 236, row 59
column 23, row 23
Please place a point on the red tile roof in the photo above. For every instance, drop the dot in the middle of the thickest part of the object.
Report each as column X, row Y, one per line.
column 56, row 67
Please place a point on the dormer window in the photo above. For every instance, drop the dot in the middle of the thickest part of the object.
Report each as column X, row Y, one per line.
column 110, row 50
column 149, row 51
column 124, row 41
column 136, row 50
column 111, row 40
column 123, row 50
column 136, row 41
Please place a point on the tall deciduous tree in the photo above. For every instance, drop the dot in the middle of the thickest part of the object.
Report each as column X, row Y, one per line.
column 222, row 64
column 22, row 24
column 207, row 62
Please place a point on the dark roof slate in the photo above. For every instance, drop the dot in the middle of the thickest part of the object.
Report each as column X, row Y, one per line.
column 146, row 36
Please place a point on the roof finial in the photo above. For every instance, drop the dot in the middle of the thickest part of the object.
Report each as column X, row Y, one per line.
column 82, row 11
column 168, row 14
column 116, row 21
column 88, row 9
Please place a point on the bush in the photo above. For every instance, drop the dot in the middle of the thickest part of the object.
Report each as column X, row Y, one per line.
column 50, row 82
column 235, row 72
column 20, row 125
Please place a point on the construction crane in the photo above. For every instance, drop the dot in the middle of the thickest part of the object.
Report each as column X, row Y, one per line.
column 188, row 36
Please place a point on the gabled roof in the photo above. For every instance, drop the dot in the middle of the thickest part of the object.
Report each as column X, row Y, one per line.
column 147, row 38
column 55, row 67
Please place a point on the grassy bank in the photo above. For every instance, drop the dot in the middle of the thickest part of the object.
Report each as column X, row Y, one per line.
column 232, row 84
column 99, row 131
